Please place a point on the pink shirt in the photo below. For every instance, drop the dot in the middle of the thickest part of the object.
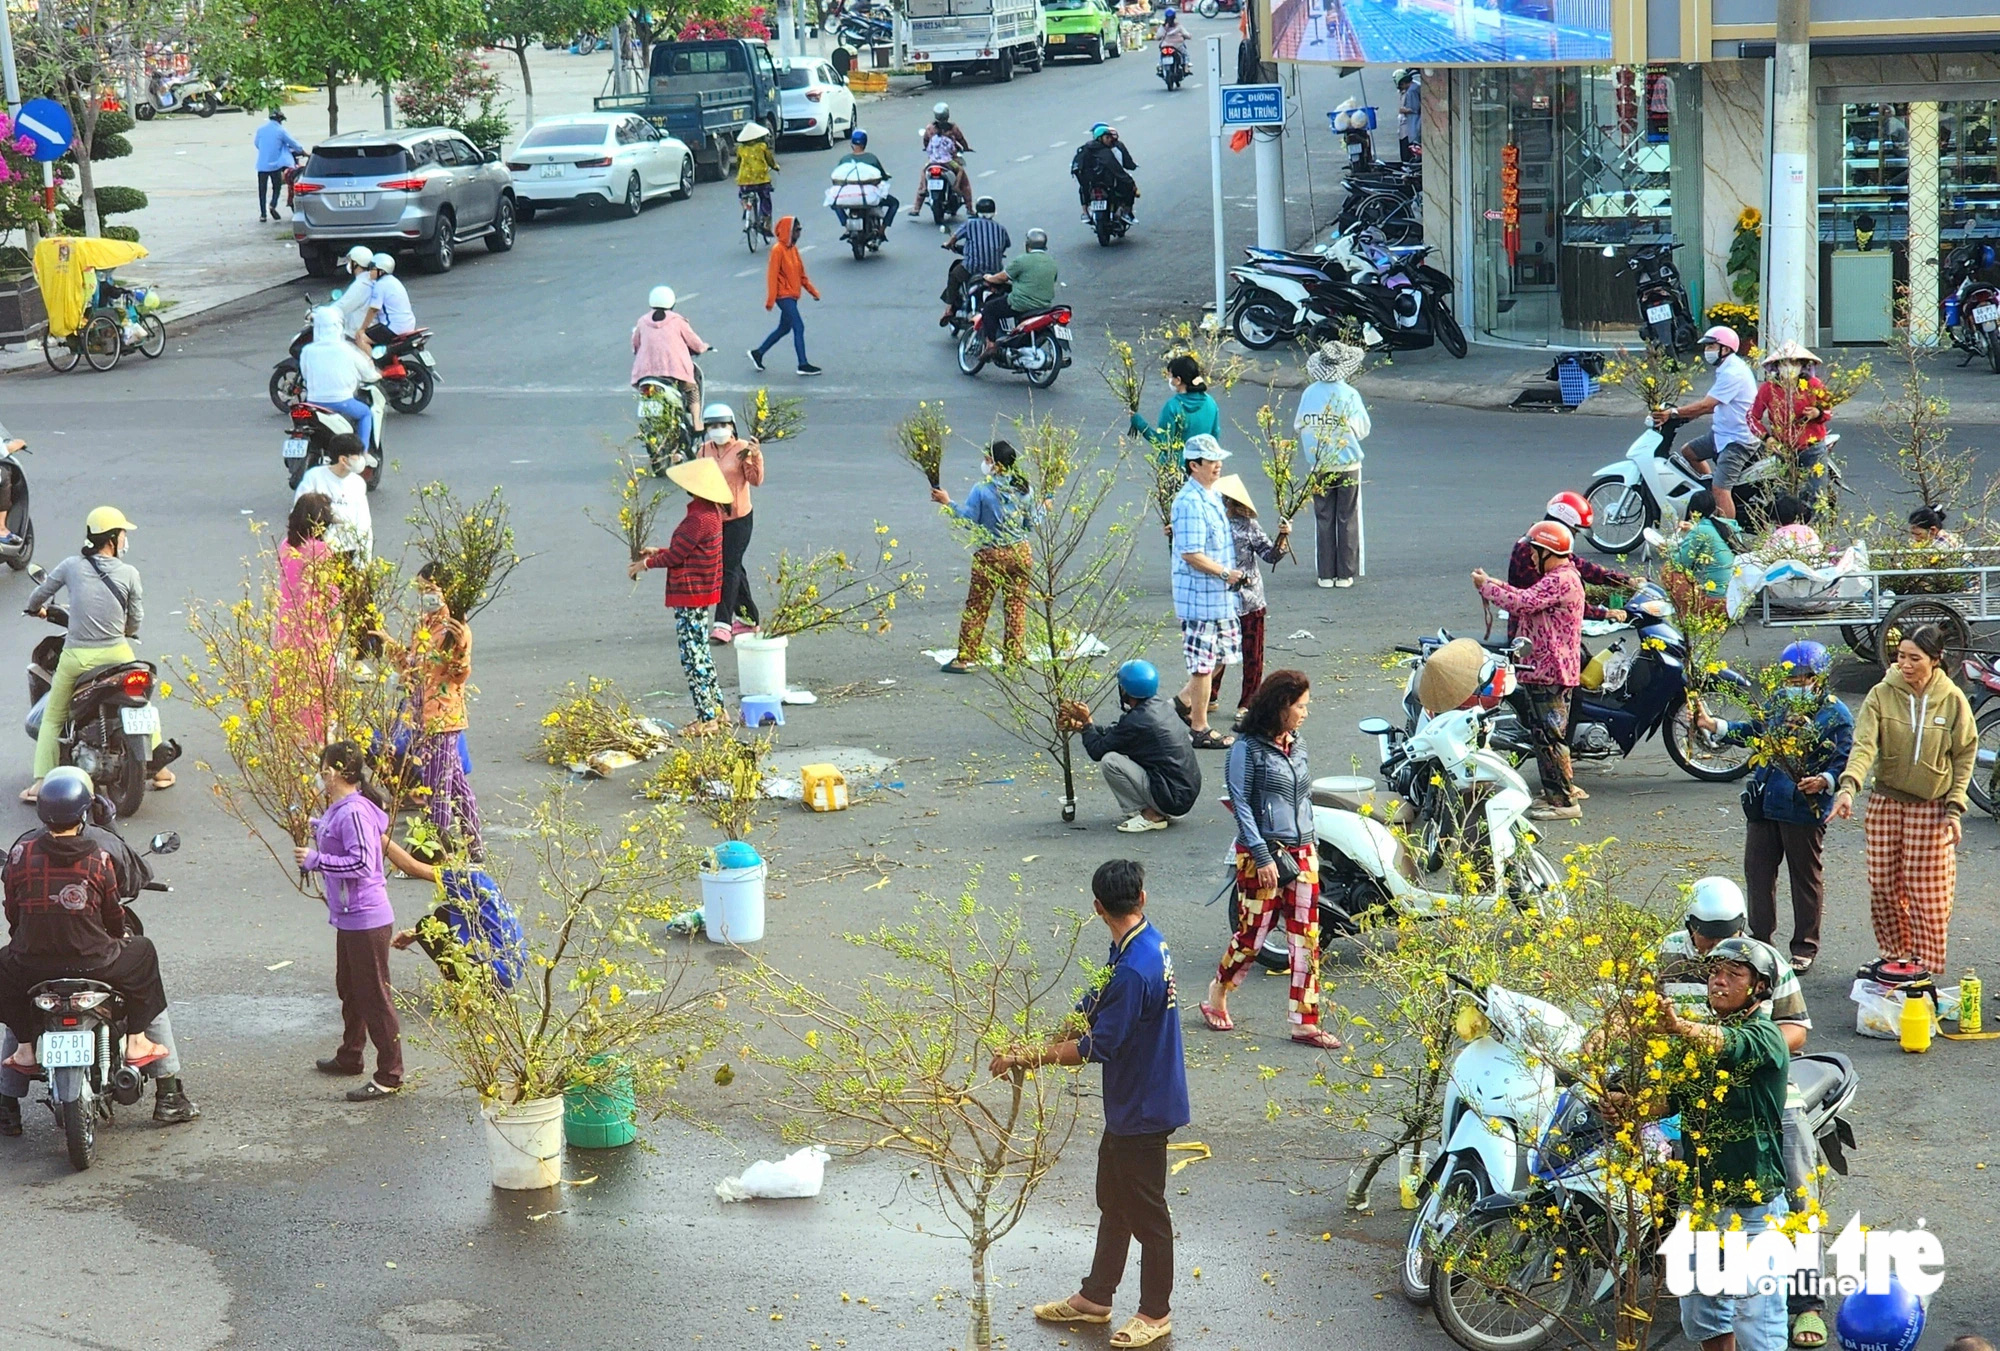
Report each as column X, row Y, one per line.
column 740, row 472
column 1550, row 614
column 306, row 604
column 664, row 348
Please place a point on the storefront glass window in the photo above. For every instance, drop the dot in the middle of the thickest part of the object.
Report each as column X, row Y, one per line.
column 1864, row 173
column 1573, row 162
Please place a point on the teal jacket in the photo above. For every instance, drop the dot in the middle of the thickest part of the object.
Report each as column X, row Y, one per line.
column 1181, row 416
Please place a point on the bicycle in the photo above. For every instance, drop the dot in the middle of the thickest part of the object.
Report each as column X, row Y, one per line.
column 756, row 220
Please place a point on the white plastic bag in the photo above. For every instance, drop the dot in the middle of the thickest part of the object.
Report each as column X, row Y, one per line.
column 1878, row 1010
column 795, row 1175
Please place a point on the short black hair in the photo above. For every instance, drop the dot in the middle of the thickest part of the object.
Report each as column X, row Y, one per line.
column 346, row 443
column 1119, row 885
column 1791, row 509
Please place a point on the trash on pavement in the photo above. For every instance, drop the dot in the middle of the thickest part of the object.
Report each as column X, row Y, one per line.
column 1194, row 1149
column 796, row 1175
column 686, row 922
column 825, row 788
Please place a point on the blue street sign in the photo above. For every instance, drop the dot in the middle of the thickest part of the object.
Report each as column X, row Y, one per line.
column 1253, row 105
column 48, row 124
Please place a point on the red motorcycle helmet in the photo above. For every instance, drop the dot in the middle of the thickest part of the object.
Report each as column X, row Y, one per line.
column 1570, row 509
column 1552, row 536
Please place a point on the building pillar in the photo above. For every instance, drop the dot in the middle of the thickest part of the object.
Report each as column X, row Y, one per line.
column 1923, row 235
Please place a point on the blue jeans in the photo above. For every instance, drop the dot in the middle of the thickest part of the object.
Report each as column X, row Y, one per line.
column 361, row 415
column 1757, row 1320
column 788, row 322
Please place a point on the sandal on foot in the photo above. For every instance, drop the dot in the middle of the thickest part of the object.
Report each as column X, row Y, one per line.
column 163, row 779
column 1801, row 965
column 1062, row 1311
column 1138, row 1332
column 1809, row 1329
column 956, row 668
column 1217, row 1022
column 1207, row 740
column 1318, row 1038
column 32, row 792
column 1181, row 707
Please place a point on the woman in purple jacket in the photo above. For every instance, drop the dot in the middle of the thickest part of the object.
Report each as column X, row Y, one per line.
column 347, row 854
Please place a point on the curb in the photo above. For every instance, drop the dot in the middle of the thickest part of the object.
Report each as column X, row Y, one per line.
column 13, row 360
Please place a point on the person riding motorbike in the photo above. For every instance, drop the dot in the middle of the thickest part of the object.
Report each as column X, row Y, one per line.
column 105, row 610
column 334, row 369
column 859, row 153
column 66, row 918
column 389, row 314
column 1026, row 286
column 1173, row 34
column 942, row 127
column 1104, row 162
column 1730, row 444
column 756, row 161
column 664, row 346
column 981, row 245
column 354, row 300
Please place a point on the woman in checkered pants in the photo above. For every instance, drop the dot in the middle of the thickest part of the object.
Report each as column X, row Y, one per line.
column 1917, row 732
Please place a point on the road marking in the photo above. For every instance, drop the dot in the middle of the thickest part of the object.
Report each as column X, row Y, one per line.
column 1057, row 145
column 1145, row 107
column 1023, row 159
column 988, row 173
column 808, row 248
column 1121, row 117
column 747, row 272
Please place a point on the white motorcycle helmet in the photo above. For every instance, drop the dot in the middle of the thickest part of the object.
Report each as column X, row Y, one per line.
column 360, row 256
column 941, row 111
column 661, row 297
column 1716, row 909
column 385, row 262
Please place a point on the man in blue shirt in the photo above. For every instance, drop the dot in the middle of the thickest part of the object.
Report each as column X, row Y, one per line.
column 982, row 245
column 1135, row 1033
column 275, row 149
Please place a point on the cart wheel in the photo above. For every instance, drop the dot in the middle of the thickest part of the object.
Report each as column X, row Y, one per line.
column 62, row 354
column 103, row 343
column 1860, row 639
column 1912, row 614
column 1984, row 787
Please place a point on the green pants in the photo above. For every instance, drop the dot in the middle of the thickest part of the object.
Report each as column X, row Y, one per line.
column 75, row 661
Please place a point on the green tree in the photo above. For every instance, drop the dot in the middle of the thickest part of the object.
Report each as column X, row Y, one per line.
column 517, row 25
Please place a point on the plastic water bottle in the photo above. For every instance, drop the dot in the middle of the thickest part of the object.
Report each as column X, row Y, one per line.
column 1969, row 995
column 1915, row 1025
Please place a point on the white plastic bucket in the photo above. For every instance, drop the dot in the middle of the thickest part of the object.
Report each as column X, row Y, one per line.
column 732, row 904
column 524, row 1140
column 760, row 665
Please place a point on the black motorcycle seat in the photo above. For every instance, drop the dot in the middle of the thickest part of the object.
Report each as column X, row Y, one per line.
column 1818, row 1080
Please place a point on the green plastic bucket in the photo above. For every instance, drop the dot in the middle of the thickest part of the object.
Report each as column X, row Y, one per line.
column 601, row 1116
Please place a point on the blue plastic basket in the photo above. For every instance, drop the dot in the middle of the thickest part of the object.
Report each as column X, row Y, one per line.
column 1575, row 382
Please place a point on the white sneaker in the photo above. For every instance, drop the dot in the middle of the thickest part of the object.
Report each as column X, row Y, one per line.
column 1141, row 822
column 1343, row 581
column 1326, row 581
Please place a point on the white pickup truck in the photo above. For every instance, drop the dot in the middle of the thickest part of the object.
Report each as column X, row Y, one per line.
column 996, row 37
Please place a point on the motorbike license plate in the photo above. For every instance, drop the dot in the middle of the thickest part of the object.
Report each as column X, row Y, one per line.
column 1986, row 314
column 1062, row 331
column 1097, row 206
column 143, row 721
column 347, row 198
column 295, row 447
column 427, row 358
column 66, row 1050
column 552, row 171
column 1659, row 314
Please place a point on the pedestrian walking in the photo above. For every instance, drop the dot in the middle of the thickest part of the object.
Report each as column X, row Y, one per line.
column 1551, row 618
column 435, row 666
column 693, row 560
column 742, row 465
column 1277, row 864
column 347, row 854
column 1253, row 546
column 1148, row 760
column 1203, row 576
column 1189, row 411
column 308, row 604
column 1917, row 733
column 275, row 154
column 1135, row 1033
column 1787, row 816
column 1409, row 117
column 1332, row 421
column 1000, row 513
column 784, row 278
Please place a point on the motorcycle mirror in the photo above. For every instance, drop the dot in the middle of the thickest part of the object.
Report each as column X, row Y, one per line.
column 1608, row 251
column 166, row 842
column 1373, row 726
column 36, row 573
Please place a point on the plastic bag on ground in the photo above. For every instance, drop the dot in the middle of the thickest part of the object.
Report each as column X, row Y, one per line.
column 796, row 1175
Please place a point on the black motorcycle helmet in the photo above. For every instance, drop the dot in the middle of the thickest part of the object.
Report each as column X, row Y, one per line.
column 64, row 797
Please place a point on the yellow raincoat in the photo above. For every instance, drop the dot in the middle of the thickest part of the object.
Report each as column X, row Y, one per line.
column 65, row 268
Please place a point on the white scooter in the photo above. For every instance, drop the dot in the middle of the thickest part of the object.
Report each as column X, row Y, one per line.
column 1650, row 488
column 1501, row 1094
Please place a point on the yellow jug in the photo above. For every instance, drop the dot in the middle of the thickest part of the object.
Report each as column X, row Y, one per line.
column 1593, row 672
column 1915, row 1025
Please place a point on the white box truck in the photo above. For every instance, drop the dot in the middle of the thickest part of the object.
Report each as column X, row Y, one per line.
column 994, row 37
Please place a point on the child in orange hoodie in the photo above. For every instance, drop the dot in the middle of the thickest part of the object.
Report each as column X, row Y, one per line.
column 783, row 281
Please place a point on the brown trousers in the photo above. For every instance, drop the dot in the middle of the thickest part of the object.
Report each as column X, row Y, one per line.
column 1766, row 844
column 1006, row 569
column 367, row 1007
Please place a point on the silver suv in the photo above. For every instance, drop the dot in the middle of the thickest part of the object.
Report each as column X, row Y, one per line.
column 422, row 190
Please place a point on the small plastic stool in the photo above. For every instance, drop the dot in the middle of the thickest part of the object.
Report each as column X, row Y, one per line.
column 760, row 709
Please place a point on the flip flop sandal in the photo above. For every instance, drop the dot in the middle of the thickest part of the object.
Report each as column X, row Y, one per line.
column 956, row 668
column 1801, row 965
column 1217, row 1022
column 1809, row 1329
column 1181, row 707
column 1138, row 1332
column 30, row 795
column 1320, row 1039
column 163, row 780
column 142, row 1061
column 1207, row 740
column 1062, row 1311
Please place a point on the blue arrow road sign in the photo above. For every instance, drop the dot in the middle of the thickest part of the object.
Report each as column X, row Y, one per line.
column 48, row 124
column 1253, row 105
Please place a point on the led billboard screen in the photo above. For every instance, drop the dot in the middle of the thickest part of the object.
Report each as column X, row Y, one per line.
column 1441, row 32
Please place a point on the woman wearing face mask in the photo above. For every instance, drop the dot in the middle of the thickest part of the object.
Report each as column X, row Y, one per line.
column 1788, row 408
column 742, row 465
column 105, row 609
column 435, row 665
column 999, row 514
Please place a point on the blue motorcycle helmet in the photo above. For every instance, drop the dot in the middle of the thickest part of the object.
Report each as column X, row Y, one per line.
column 1807, row 656
column 1138, row 680
column 1172, row 14
column 1892, row 1321
column 1098, row 129
column 858, row 138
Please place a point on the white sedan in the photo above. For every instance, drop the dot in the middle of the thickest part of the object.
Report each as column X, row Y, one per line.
column 597, row 159
column 814, row 100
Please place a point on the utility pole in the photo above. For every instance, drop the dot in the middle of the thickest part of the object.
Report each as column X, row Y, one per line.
column 1215, row 171
column 1269, row 146
column 1791, row 215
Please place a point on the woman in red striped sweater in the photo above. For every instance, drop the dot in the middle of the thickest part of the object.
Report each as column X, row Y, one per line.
column 693, row 560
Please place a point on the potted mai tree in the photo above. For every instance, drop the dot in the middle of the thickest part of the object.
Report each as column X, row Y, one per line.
column 815, row 593
column 588, row 1000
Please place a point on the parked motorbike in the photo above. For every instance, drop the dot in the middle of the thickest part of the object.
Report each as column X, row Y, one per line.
column 1173, row 66
column 1666, row 317
column 19, row 523
column 1972, row 303
column 112, row 722
column 941, row 192
column 191, row 95
column 1109, row 219
column 1649, row 489
column 1036, row 345
column 79, row 1031
column 309, row 438
column 1982, row 682
column 1405, row 306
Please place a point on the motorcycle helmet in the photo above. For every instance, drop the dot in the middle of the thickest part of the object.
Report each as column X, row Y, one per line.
column 752, row 131
column 1138, row 680
column 941, row 112
column 718, row 412
column 1098, row 130
column 1716, row 909
column 1037, row 240
column 106, row 521
column 1891, row 1321
column 1749, row 952
column 985, row 206
column 64, row 797
column 385, row 262
column 361, row 256
column 1171, row 15
column 1552, row 536
column 1723, row 336
column 858, row 139
column 1807, row 656
column 661, row 297
column 1570, row 509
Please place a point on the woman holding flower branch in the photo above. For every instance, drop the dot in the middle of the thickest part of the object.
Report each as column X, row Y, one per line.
column 436, row 665
column 1189, row 411
column 742, row 466
column 1332, row 422
column 693, row 563
column 999, row 513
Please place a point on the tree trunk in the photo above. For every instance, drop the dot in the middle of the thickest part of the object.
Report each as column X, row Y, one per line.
column 332, row 103
column 982, row 1300
column 86, row 182
column 527, row 80
column 388, row 109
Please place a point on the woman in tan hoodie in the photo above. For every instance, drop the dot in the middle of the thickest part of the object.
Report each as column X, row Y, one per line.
column 1917, row 732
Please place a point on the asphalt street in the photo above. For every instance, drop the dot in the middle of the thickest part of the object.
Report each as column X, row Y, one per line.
column 288, row 1218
